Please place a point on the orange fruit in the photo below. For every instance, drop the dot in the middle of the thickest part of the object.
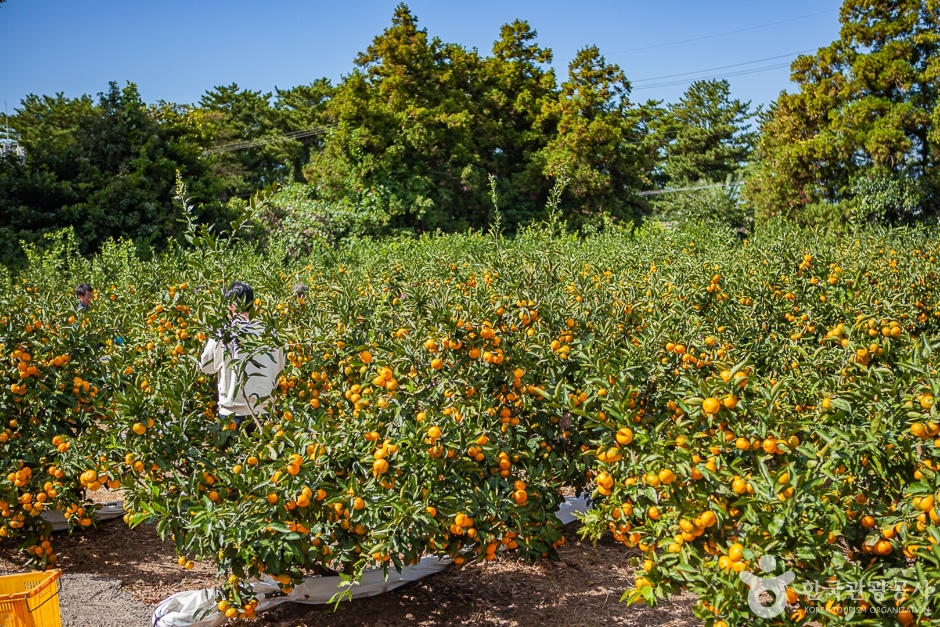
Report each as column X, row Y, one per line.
column 624, row 435
column 711, row 405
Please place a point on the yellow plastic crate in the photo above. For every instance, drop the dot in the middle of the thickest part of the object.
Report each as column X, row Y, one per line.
column 30, row 600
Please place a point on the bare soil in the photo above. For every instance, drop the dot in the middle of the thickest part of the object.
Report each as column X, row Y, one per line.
column 581, row 589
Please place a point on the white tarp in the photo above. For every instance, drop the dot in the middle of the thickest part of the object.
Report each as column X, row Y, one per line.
column 107, row 511
column 197, row 608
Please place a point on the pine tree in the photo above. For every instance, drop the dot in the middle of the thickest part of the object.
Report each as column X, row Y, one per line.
column 864, row 108
column 706, row 134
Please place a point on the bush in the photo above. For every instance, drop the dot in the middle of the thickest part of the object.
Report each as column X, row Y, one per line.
column 886, row 198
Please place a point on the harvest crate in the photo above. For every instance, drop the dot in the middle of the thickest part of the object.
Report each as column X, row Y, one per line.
column 30, row 600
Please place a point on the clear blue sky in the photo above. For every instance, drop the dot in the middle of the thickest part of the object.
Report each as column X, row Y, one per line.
column 176, row 49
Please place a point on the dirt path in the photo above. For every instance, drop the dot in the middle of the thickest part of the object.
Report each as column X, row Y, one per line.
column 114, row 576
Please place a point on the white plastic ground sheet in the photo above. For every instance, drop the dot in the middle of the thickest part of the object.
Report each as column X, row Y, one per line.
column 197, row 608
column 107, row 512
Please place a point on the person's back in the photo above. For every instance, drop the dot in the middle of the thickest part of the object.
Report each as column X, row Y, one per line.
column 246, row 365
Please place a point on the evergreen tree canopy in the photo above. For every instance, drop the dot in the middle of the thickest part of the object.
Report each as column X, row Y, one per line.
column 864, row 107
column 105, row 169
column 706, row 134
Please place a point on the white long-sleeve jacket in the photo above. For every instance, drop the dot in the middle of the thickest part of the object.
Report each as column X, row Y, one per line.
column 247, row 375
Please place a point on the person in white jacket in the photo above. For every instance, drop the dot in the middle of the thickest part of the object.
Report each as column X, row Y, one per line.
column 246, row 365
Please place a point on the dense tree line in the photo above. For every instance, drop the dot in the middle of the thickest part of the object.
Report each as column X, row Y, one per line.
column 413, row 138
column 860, row 137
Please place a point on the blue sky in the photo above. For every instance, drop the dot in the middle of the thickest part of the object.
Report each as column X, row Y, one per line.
column 176, row 49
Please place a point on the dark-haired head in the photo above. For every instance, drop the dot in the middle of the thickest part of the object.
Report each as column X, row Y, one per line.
column 84, row 292
column 241, row 296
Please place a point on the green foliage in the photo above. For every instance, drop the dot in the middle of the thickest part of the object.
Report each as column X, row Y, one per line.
column 106, row 169
column 706, row 135
column 406, row 122
column 598, row 141
column 297, row 223
column 428, row 121
column 420, row 135
column 259, row 138
column 886, row 198
column 865, row 101
column 718, row 205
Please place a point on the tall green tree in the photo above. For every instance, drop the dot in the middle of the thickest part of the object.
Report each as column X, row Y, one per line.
column 260, row 138
column 106, row 169
column 405, row 131
column 706, row 134
column 512, row 125
column 864, row 109
column 234, row 116
column 601, row 144
column 302, row 118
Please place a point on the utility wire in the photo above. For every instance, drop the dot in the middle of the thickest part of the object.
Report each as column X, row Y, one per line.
column 670, row 190
column 242, row 145
column 722, row 67
column 730, row 32
column 709, row 78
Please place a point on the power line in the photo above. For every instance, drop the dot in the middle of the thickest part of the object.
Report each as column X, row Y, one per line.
column 709, row 78
column 730, row 32
column 252, row 143
column 722, row 67
column 670, row 190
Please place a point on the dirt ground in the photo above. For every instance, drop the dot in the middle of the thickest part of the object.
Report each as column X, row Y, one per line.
column 580, row 590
